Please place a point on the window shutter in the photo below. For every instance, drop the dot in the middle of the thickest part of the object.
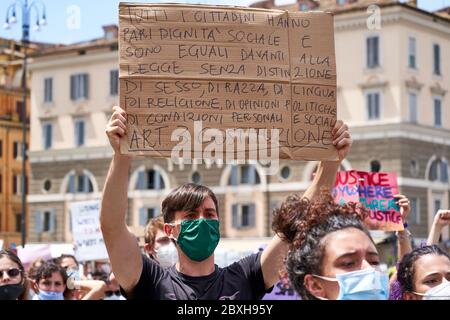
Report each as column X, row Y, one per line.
column 143, row 216
column 71, row 188
column 157, row 178
column 85, row 183
column 86, row 86
column 376, row 61
column 141, row 180
column 52, row 221
column 234, row 176
column 50, row 94
column 377, row 105
column 38, row 221
column 252, row 173
column 81, row 129
column 252, row 215
column 72, row 88
column 235, row 218
column 369, row 52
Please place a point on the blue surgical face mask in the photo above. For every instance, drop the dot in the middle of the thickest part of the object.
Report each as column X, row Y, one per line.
column 50, row 295
column 367, row 284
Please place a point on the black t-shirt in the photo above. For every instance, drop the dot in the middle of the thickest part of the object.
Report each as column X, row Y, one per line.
column 242, row 280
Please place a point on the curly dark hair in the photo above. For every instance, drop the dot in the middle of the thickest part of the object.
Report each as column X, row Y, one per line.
column 406, row 267
column 46, row 270
column 304, row 224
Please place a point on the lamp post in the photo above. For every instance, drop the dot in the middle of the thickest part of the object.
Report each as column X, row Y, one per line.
column 11, row 18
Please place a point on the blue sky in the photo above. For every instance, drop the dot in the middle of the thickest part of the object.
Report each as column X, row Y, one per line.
column 64, row 26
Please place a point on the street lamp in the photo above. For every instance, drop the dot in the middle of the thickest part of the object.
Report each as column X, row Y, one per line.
column 11, row 18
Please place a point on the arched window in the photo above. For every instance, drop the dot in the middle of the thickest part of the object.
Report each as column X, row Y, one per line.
column 80, row 183
column 246, row 174
column 149, row 180
column 438, row 171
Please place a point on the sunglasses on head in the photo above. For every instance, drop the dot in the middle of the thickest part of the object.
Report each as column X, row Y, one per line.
column 12, row 273
column 109, row 293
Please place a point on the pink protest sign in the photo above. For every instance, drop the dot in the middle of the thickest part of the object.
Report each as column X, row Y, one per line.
column 375, row 190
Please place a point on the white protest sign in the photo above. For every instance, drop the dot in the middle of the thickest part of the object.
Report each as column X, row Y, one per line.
column 87, row 236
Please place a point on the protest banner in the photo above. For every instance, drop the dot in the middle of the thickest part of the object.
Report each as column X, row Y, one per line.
column 222, row 83
column 375, row 190
column 1, row 243
column 87, row 236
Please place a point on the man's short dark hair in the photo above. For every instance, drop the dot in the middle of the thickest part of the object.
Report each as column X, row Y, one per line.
column 186, row 197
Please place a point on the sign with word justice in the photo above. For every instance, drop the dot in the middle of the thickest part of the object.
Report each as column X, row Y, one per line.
column 375, row 190
column 204, row 80
column 87, row 236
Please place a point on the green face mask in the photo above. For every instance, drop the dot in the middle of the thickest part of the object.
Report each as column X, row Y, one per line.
column 199, row 238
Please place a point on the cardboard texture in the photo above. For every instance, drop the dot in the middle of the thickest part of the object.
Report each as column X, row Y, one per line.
column 230, row 68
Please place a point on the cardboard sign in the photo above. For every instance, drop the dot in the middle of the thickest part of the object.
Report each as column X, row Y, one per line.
column 376, row 191
column 87, row 236
column 193, row 77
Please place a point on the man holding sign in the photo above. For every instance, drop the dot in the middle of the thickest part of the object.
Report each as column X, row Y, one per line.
column 192, row 221
column 214, row 73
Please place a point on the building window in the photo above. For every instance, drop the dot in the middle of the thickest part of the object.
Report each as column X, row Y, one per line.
column 373, row 105
column 340, row 2
column 1, row 148
column 147, row 213
column 304, row 7
column 373, row 50
column 80, row 184
column 45, row 221
column 439, row 171
column 412, row 107
column 285, row 172
column 150, row 180
column 114, row 82
column 246, row 174
column 79, row 132
column 19, row 110
column 16, row 184
column 412, row 53
column 1, row 183
column 414, row 215
column 437, row 59
column 47, row 132
column 79, row 87
column 18, row 217
column 244, row 216
column 437, row 109
column 375, row 166
column 414, row 168
column 47, row 185
column 196, row 178
column 48, row 90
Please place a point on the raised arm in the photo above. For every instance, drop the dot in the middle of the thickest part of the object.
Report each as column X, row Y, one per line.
column 122, row 245
column 273, row 256
column 403, row 237
column 441, row 219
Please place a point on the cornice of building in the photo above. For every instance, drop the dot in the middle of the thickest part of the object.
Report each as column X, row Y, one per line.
column 400, row 130
column 71, row 154
column 66, row 61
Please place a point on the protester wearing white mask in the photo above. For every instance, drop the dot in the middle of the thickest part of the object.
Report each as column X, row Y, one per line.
column 424, row 274
column 158, row 245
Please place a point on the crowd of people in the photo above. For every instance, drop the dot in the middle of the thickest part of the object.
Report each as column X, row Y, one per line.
column 323, row 248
